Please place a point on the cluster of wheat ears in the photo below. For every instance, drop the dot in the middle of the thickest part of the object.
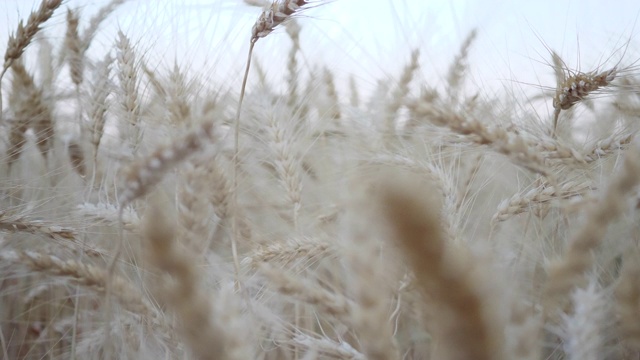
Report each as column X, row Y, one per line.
column 144, row 215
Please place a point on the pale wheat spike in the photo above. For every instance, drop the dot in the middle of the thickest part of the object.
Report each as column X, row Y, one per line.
column 610, row 145
column 457, row 70
column 293, row 29
column 501, row 140
column 193, row 208
column 74, row 46
column 178, row 98
column 19, row 41
column 84, row 274
column 100, row 90
column 545, row 193
column 107, row 214
column 332, row 94
column 291, row 253
column 21, row 223
column 147, row 172
column 128, row 97
column 96, row 20
column 331, row 303
column 31, row 111
column 23, row 36
column 286, row 164
column 402, row 90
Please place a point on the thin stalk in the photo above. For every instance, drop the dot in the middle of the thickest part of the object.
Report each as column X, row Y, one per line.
column 236, row 166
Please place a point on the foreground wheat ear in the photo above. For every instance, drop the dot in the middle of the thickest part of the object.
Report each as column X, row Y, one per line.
column 573, row 87
column 273, row 15
column 23, row 36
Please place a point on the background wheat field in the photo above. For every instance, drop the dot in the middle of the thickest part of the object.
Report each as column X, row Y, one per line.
column 334, row 201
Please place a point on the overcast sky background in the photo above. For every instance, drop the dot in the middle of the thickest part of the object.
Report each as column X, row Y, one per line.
column 371, row 39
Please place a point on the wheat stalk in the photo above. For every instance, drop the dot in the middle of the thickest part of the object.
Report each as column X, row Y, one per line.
column 269, row 19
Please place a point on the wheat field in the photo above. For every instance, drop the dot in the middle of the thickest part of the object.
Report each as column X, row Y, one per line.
column 147, row 212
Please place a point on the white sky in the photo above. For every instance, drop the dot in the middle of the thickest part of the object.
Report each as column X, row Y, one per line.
column 370, row 39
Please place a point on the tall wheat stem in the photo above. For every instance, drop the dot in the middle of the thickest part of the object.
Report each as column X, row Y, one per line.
column 236, row 165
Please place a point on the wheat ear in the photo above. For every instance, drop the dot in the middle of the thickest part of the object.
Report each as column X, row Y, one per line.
column 186, row 298
column 74, row 45
column 96, row 20
column 467, row 331
column 574, row 88
column 19, row 41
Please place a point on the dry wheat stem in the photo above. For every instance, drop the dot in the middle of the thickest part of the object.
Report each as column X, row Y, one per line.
column 235, row 228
